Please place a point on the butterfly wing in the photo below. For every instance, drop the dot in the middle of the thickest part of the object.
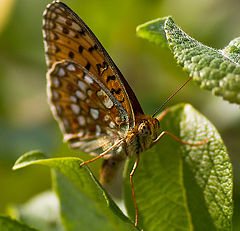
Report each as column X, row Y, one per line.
column 71, row 45
column 89, row 115
column 67, row 37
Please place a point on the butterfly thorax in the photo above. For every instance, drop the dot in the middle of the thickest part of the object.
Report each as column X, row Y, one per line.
column 142, row 136
column 137, row 140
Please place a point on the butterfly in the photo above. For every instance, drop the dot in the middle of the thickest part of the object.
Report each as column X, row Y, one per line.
column 95, row 107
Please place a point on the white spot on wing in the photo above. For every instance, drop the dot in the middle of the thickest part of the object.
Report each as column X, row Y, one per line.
column 66, row 123
column 111, row 124
column 55, row 94
column 82, row 85
column 94, row 113
column 73, row 98
column 51, row 25
column 80, row 95
column 106, row 117
column 89, row 92
column 59, row 10
column 119, row 149
column 61, row 19
column 71, row 67
column 81, row 120
column 75, row 108
column 108, row 103
column 53, row 15
column 45, row 44
column 44, row 33
column 45, row 11
column 56, row 82
column 61, row 72
column 58, row 109
column 101, row 93
column 45, row 47
column 75, row 26
column 98, row 130
column 71, row 33
column 47, row 61
column 88, row 79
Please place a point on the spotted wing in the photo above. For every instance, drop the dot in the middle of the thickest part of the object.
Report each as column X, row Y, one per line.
column 66, row 37
column 88, row 113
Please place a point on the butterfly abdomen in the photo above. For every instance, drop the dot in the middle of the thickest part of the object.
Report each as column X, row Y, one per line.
column 109, row 169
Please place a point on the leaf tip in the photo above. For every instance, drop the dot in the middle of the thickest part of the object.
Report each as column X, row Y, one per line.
column 154, row 30
column 28, row 158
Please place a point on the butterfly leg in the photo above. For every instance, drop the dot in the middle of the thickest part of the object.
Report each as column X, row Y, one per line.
column 133, row 193
column 103, row 154
column 179, row 140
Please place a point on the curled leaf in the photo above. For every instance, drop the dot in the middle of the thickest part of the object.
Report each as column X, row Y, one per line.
column 214, row 70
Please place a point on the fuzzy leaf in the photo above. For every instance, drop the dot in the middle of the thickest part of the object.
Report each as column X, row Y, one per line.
column 214, row 70
column 182, row 187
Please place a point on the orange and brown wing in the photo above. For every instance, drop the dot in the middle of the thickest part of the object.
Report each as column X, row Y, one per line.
column 66, row 37
column 85, row 109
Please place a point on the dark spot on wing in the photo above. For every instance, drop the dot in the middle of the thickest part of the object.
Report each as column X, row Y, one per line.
column 80, row 49
column 55, row 36
column 71, row 88
column 111, row 77
column 121, row 101
column 57, row 49
column 71, row 55
column 88, row 66
column 90, row 49
column 65, row 30
column 81, row 32
column 116, row 91
column 101, row 67
column 68, row 22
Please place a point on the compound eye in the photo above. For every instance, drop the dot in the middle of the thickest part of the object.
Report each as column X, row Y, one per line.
column 143, row 128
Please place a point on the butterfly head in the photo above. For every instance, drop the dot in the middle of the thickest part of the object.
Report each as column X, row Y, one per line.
column 149, row 127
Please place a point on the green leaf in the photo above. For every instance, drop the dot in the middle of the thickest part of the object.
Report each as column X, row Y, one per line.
column 8, row 224
column 214, row 70
column 81, row 196
column 75, row 205
column 28, row 159
column 183, row 187
column 42, row 212
column 154, row 31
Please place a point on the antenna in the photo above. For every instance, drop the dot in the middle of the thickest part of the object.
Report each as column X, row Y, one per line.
column 170, row 97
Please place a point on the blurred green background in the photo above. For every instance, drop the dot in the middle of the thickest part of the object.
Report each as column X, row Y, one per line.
column 25, row 119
